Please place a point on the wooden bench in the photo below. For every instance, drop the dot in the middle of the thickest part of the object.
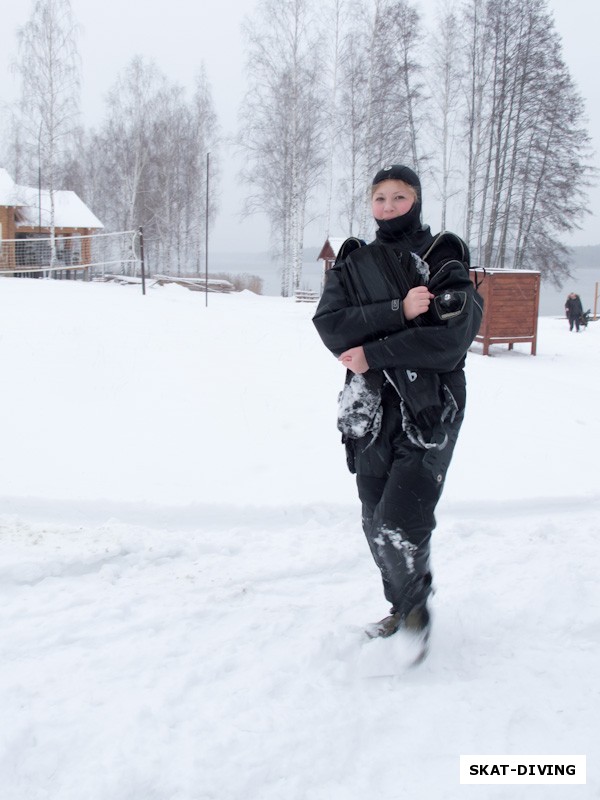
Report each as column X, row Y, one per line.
column 306, row 296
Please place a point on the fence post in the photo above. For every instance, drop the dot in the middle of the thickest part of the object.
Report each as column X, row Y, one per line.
column 141, row 230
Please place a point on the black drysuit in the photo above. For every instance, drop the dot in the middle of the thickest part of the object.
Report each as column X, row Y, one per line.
column 574, row 311
column 416, row 372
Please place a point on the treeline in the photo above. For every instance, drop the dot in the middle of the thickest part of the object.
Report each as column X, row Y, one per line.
column 144, row 165
column 480, row 103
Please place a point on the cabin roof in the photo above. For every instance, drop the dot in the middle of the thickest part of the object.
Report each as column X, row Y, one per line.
column 331, row 247
column 69, row 209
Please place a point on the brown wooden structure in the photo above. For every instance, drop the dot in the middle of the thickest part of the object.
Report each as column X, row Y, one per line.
column 511, row 304
column 25, row 228
column 330, row 250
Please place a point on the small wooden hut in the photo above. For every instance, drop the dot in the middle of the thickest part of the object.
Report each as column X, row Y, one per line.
column 330, row 250
column 511, row 305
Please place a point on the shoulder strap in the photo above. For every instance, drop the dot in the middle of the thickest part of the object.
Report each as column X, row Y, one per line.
column 447, row 236
column 351, row 244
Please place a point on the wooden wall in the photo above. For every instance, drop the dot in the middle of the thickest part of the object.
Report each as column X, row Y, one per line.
column 511, row 305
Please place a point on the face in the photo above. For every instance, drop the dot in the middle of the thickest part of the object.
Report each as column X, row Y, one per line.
column 392, row 199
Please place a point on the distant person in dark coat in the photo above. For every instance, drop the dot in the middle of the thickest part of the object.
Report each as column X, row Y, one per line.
column 574, row 311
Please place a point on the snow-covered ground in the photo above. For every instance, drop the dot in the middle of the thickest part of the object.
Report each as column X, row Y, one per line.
column 184, row 580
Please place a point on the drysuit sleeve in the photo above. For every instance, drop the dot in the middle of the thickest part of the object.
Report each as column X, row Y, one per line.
column 341, row 325
column 436, row 344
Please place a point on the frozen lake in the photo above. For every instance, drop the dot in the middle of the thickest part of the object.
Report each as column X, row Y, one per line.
column 552, row 300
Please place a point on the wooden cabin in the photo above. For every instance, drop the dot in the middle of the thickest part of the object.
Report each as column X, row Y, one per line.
column 25, row 229
column 330, row 250
column 511, row 300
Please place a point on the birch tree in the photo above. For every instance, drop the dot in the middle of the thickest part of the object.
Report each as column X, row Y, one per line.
column 175, row 198
column 407, row 71
column 334, row 26
column 205, row 138
column 149, row 164
column 133, row 106
column 532, row 188
column 445, row 77
column 15, row 153
column 475, row 83
column 355, row 103
column 383, row 104
column 281, row 132
column 48, row 64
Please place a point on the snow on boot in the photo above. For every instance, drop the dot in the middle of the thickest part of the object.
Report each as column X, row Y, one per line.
column 385, row 627
column 417, row 621
column 398, row 643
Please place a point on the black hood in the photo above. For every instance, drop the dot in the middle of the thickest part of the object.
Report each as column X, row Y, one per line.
column 407, row 231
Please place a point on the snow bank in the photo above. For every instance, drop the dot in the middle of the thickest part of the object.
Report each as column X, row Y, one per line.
column 184, row 581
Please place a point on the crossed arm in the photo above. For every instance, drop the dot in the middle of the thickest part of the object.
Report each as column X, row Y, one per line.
column 415, row 303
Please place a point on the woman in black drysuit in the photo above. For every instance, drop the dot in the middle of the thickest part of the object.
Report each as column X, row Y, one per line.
column 400, row 314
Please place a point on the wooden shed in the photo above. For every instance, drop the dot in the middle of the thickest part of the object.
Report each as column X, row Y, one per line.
column 25, row 228
column 330, row 250
column 511, row 304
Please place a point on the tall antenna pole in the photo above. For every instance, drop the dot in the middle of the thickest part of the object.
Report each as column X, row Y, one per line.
column 206, row 231
column 40, row 180
column 141, row 232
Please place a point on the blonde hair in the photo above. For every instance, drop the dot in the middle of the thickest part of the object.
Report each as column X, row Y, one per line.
column 410, row 188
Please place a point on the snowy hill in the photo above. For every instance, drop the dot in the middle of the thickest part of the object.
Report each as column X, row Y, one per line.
column 184, row 580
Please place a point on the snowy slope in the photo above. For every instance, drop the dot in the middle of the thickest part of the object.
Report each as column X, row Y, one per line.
column 183, row 578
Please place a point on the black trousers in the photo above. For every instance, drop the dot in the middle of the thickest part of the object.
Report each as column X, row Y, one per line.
column 398, row 517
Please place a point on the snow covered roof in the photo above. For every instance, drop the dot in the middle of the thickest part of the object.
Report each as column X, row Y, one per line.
column 69, row 210
column 333, row 242
column 336, row 242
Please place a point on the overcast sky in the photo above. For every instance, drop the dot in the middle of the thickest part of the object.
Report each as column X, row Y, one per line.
column 180, row 34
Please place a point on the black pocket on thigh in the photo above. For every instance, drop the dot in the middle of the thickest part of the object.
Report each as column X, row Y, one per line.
column 435, row 461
